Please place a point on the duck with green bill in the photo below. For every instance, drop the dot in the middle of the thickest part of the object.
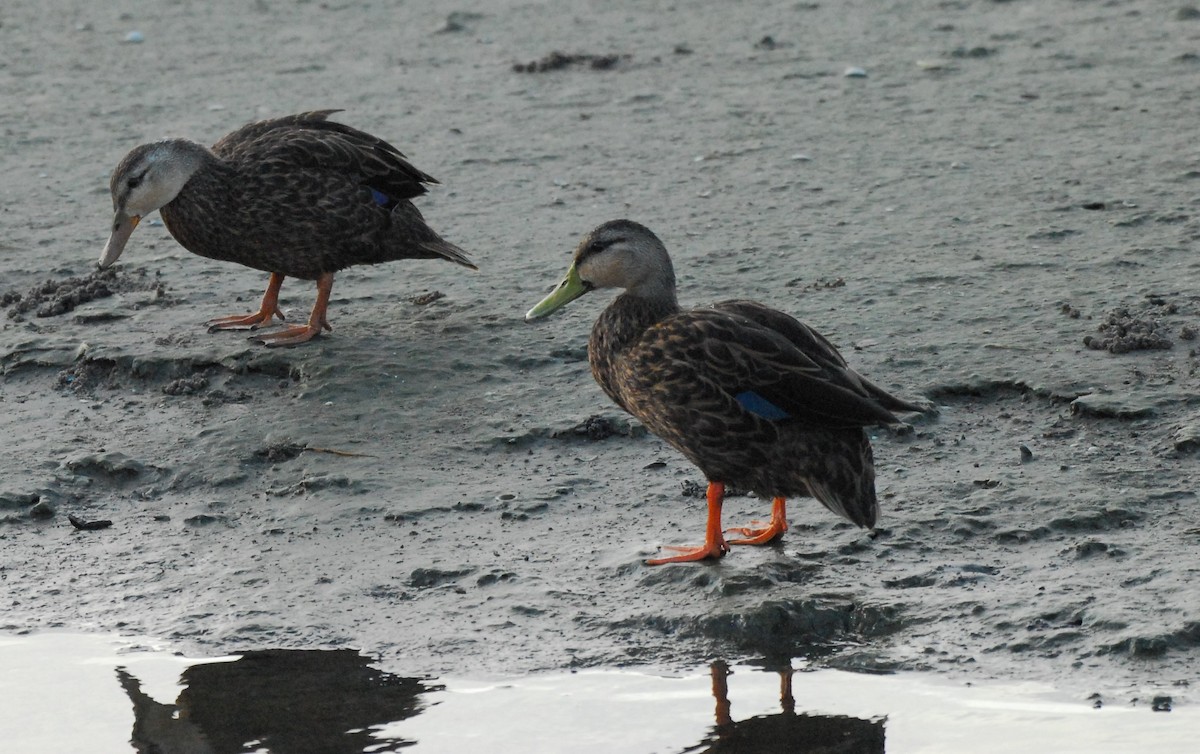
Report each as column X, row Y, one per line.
column 750, row 395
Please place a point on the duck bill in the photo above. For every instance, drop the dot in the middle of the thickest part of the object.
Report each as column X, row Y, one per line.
column 571, row 288
column 122, row 228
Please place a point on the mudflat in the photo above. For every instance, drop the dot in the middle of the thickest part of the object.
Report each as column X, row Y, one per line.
column 988, row 205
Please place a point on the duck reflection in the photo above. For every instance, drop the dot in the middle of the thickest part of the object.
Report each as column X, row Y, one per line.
column 785, row 732
column 278, row 701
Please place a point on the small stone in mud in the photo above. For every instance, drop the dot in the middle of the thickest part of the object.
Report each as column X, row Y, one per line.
column 220, row 397
column 279, row 452
column 597, row 427
column 1187, row 439
column 973, row 52
column 186, row 385
column 427, row 298
column 458, row 20
column 41, row 509
column 205, row 519
column 1026, row 453
column 1161, row 704
column 427, row 577
column 82, row 525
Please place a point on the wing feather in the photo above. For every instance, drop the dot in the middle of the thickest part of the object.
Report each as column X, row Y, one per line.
column 709, row 356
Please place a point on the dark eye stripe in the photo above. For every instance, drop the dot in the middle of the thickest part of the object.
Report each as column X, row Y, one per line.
column 597, row 246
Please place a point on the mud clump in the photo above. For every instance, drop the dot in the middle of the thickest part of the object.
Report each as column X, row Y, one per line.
column 557, row 61
column 186, row 385
column 54, row 297
column 86, row 375
column 427, row 298
column 1123, row 331
column 597, row 427
column 279, row 452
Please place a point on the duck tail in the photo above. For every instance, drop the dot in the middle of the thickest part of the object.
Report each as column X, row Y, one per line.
column 446, row 250
column 846, row 482
column 416, row 239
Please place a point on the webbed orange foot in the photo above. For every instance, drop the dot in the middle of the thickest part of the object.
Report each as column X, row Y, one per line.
column 760, row 533
column 247, row 322
column 714, row 542
column 297, row 334
column 267, row 310
column 691, row 554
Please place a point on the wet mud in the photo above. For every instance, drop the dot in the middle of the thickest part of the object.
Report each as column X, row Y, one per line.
column 441, row 485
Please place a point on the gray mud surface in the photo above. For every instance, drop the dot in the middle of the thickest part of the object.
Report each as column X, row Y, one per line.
column 1000, row 217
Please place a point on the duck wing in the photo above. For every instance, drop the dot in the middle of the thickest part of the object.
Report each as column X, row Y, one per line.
column 812, row 342
column 311, row 141
column 771, row 364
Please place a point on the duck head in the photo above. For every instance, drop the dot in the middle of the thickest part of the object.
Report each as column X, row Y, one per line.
column 618, row 254
column 149, row 177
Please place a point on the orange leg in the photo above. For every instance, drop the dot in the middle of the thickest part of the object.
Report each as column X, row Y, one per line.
column 763, row 533
column 786, row 700
column 297, row 334
column 719, row 671
column 268, row 309
column 714, row 542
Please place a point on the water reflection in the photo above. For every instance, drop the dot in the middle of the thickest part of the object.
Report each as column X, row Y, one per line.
column 785, row 732
column 278, row 701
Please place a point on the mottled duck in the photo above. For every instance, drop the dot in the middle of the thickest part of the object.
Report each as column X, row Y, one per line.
column 299, row 196
column 750, row 395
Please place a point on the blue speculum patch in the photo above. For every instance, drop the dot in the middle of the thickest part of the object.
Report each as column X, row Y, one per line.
column 381, row 198
column 760, row 406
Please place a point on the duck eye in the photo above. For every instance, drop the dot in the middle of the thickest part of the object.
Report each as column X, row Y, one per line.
column 134, row 182
column 602, row 244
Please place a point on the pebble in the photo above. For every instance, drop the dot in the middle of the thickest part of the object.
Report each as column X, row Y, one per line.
column 1026, row 454
column 932, row 65
column 135, row 37
column 854, row 72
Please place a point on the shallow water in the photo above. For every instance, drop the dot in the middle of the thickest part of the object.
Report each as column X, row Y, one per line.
column 99, row 694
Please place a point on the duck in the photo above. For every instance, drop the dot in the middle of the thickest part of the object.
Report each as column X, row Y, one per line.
column 753, row 397
column 298, row 196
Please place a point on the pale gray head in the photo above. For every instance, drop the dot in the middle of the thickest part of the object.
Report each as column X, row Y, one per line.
column 149, row 177
column 617, row 254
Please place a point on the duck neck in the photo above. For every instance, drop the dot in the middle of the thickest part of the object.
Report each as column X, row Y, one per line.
column 196, row 216
column 628, row 316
